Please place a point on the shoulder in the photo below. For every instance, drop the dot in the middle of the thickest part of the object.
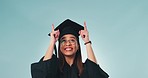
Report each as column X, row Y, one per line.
column 87, row 61
column 54, row 59
column 94, row 69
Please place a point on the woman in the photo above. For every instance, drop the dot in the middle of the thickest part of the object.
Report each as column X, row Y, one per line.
column 68, row 64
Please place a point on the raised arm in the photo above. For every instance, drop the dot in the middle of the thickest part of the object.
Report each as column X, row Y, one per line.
column 85, row 37
column 54, row 35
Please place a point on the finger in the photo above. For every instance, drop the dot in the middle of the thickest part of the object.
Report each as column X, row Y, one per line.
column 85, row 28
column 80, row 32
column 52, row 27
column 56, row 35
column 58, row 32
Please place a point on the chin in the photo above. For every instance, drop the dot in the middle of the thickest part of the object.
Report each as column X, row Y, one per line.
column 69, row 54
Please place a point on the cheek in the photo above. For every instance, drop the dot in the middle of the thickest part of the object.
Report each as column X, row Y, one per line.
column 61, row 48
column 77, row 47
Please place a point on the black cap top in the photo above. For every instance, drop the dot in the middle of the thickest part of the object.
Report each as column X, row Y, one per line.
column 69, row 27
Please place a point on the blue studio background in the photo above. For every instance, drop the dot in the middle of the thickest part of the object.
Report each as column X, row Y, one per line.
column 118, row 30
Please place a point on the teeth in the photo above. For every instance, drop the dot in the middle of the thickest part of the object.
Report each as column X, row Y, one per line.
column 68, row 49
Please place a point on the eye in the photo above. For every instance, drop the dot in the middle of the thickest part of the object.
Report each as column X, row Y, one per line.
column 62, row 41
column 72, row 41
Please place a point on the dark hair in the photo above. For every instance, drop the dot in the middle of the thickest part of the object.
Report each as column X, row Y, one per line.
column 77, row 59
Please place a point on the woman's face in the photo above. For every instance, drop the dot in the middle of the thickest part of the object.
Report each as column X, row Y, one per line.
column 68, row 45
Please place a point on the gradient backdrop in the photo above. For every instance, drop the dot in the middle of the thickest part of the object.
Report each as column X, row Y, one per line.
column 118, row 30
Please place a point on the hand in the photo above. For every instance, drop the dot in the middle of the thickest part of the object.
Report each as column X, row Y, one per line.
column 84, row 33
column 54, row 34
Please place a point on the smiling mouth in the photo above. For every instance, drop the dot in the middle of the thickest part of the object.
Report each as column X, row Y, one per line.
column 68, row 49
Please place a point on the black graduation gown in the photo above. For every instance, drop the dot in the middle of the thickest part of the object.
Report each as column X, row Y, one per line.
column 50, row 69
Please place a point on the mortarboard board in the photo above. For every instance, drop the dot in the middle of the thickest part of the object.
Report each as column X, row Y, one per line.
column 68, row 27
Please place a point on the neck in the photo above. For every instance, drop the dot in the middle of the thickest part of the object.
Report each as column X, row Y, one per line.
column 69, row 60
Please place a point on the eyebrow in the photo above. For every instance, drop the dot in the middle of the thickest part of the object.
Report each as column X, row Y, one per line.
column 73, row 37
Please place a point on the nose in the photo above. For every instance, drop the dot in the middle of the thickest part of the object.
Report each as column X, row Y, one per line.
column 68, row 43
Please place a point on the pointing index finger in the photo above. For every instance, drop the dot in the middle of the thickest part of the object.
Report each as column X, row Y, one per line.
column 52, row 27
column 85, row 28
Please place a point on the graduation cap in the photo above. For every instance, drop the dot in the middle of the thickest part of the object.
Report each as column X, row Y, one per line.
column 68, row 27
